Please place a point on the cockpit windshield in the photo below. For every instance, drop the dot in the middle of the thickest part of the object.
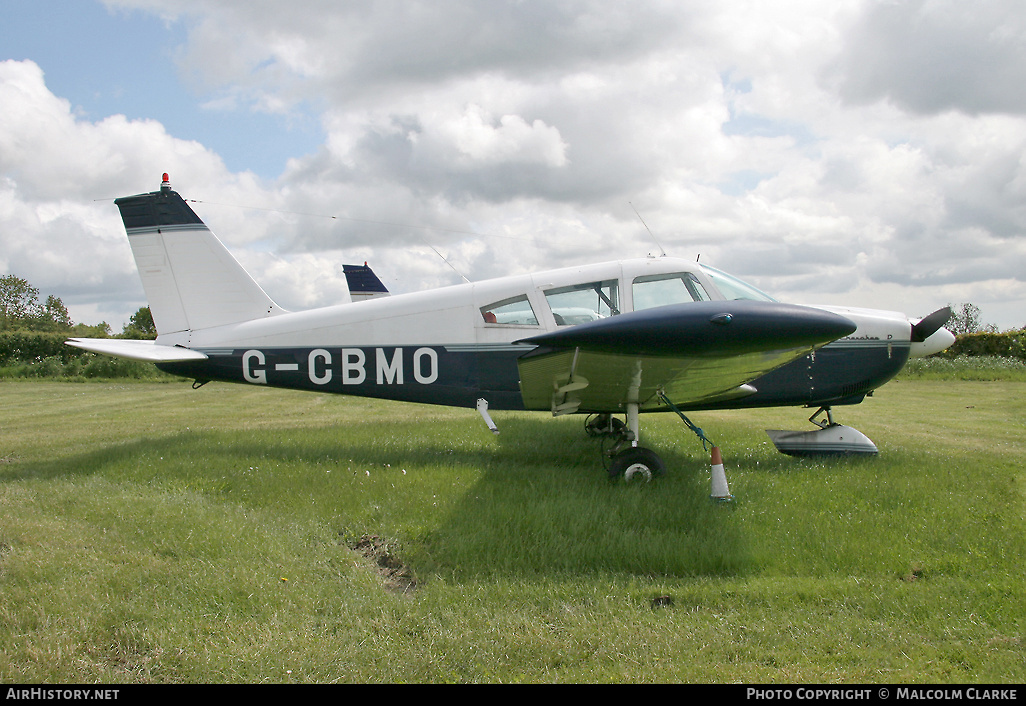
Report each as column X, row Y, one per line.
column 662, row 289
column 733, row 288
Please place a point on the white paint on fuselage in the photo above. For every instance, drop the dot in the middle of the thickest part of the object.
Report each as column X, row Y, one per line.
column 453, row 315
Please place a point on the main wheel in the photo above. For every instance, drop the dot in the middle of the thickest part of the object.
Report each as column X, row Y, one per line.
column 636, row 464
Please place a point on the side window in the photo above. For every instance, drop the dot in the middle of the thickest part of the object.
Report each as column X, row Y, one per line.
column 515, row 311
column 660, row 290
column 581, row 303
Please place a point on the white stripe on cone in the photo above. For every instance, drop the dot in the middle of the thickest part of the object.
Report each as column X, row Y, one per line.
column 720, row 491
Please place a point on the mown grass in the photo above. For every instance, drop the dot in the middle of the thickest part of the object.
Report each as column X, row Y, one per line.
column 153, row 533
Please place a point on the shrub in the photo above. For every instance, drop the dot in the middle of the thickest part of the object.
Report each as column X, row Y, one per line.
column 29, row 346
column 1010, row 344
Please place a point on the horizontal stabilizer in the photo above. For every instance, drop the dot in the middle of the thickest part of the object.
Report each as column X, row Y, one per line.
column 146, row 351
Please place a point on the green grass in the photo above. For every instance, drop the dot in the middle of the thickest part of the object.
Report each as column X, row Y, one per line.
column 153, row 533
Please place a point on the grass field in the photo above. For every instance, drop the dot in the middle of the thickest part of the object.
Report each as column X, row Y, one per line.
column 154, row 533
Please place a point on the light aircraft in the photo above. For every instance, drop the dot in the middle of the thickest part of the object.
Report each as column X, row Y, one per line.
column 616, row 338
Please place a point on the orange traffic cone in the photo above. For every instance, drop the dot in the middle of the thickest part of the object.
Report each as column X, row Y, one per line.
column 720, row 491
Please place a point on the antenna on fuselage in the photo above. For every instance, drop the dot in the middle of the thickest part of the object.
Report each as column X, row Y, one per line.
column 445, row 261
column 662, row 252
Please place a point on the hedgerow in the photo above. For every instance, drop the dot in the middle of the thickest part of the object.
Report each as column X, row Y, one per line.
column 1010, row 344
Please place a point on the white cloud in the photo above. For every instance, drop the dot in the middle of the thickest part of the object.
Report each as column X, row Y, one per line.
column 840, row 149
column 60, row 174
column 481, row 138
column 929, row 56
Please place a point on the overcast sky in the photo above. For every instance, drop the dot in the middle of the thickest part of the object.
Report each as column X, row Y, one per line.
column 854, row 152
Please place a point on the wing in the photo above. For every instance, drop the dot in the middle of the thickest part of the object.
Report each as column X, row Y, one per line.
column 696, row 352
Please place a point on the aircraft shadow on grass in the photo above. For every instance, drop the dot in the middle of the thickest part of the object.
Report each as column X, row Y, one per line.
column 530, row 510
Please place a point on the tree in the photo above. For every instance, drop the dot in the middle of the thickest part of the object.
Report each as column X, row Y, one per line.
column 966, row 319
column 100, row 330
column 20, row 308
column 18, row 301
column 51, row 316
column 140, row 325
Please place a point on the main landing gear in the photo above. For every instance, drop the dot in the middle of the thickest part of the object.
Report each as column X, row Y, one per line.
column 631, row 462
column 625, row 459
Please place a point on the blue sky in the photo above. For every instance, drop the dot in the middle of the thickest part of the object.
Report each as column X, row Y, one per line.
column 856, row 153
column 109, row 61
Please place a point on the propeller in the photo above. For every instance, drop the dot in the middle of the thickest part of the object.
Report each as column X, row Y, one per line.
column 929, row 325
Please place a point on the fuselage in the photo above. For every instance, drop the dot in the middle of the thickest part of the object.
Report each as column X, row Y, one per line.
column 458, row 344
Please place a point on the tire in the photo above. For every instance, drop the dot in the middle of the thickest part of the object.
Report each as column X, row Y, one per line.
column 636, row 464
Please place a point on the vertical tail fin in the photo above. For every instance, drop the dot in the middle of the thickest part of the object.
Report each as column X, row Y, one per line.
column 191, row 280
column 363, row 283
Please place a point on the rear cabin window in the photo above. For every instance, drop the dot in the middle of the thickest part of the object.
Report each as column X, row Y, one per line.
column 515, row 311
column 659, row 290
column 581, row 303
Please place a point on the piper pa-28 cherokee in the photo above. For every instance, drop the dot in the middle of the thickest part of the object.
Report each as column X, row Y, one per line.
column 617, row 338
